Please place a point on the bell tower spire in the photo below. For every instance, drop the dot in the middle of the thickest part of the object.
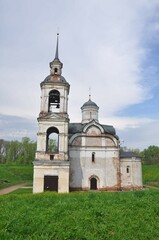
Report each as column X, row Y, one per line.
column 56, row 65
column 57, row 48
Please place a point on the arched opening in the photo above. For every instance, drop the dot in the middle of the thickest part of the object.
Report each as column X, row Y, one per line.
column 93, row 183
column 52, row 143
column 54, row 101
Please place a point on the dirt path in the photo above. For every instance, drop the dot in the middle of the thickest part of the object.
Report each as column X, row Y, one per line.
column 12, row 188
column 148, row 186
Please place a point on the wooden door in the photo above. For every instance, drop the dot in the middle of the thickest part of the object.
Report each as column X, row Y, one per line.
column 51, row 183
column 93, row 184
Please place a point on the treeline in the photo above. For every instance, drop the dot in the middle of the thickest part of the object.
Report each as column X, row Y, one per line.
column 149, row 155
column 23, row 152
column 17, row 152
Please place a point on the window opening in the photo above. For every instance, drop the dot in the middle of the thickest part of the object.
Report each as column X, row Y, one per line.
column 51, row 157
column 93, row 157
column 52, row 141
column 128, row 169
column 55, row 71
column 54, row 101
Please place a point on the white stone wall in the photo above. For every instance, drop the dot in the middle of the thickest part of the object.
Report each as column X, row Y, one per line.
column 89, row 114
column 105, row 168
column 132, row 179
column 46, row 88
column 62, row 171
column 63, row 139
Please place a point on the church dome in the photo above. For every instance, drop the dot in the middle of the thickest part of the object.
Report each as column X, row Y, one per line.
column 89, row 111
column 89, row 103
column 54, row 78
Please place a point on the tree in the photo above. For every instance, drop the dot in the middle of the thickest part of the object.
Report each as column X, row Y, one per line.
column 17, row 152
column 3, row 150
column 13, row 151
column 150, row 155
column 52, row 146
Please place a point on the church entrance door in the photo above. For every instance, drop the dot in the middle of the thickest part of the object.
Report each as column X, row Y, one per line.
column 51, row 183
column 93, row 184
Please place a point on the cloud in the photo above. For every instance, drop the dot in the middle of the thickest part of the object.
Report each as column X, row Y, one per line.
column 15, row 128
column 141, row 137
column 110, row 46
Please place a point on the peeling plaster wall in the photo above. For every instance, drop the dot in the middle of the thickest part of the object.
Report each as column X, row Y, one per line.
column 132, row 179
column 105, row 166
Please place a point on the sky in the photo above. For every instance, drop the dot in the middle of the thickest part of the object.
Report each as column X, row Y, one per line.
column 109, row 46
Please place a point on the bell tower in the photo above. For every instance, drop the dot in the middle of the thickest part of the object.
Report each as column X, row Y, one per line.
column 51, row 165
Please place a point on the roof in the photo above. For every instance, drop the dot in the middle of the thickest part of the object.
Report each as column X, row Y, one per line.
column 78, row 128
column 89, row 103
column 124, row 154
column 50, row 78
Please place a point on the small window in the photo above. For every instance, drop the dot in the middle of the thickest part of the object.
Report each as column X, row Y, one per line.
column 93, row 157
column 51, row 157
column 128, row 169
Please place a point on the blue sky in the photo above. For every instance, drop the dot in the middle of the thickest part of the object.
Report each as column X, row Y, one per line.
column 110, row 46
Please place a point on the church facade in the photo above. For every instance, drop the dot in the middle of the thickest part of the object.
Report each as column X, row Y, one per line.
column 78, row 156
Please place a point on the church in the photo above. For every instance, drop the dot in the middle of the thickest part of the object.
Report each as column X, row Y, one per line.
column 79, row 156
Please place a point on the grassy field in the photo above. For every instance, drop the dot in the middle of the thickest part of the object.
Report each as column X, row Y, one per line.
column 82, row 216
column 14, row 174
column 151, row 175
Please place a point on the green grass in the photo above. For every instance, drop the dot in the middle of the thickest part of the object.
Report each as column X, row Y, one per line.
column 77, row 216
column 151, row 174
column 22, row 191
column 14, row 174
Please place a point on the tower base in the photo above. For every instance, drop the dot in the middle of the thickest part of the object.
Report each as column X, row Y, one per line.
column 51, row 176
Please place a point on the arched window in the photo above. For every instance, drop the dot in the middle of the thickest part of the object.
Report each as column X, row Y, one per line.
column 54, row 100
column 52, row 143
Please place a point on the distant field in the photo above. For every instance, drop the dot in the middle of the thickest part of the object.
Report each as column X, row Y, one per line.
column 80, row 216
column 14, row 174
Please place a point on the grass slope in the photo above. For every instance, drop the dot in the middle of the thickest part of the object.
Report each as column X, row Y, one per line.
column 151, row 175
column 81, row 216
column 14, row 174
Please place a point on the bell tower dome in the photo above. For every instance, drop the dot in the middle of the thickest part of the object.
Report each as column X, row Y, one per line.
column 89, row 111
column 51, row 165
